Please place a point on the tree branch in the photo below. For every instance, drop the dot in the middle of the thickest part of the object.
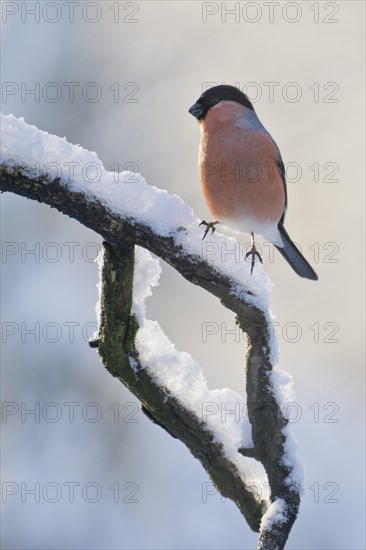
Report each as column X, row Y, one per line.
column 117, row 349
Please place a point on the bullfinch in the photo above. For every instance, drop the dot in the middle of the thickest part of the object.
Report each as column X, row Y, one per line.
column 242, row 173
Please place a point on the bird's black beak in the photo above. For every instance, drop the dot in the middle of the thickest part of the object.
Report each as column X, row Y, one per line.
column 197, row 111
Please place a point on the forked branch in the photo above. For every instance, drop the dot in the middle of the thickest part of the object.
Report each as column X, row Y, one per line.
column 116, row 343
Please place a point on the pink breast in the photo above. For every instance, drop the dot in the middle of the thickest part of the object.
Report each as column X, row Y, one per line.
column 239, row 175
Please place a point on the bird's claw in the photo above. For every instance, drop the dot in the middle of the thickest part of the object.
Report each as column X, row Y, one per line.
column 209, row 225
column 253, row 252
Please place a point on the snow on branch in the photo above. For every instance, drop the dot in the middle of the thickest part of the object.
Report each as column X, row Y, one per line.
column 241, row 458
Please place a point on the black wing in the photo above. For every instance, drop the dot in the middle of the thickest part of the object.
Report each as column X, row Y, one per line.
column 281, row 169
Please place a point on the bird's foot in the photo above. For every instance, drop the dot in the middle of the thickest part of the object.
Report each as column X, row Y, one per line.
column 253, row 253
column 209, row 225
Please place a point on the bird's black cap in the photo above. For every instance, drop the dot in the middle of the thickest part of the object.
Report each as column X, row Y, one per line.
column 214, row 95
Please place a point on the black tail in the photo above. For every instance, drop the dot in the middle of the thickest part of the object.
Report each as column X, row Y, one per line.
column 294, row 256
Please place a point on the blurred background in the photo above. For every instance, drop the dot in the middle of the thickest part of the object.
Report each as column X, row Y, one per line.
column 81, row 467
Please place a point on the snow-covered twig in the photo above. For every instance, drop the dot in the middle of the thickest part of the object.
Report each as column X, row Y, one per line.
column 169, row 383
